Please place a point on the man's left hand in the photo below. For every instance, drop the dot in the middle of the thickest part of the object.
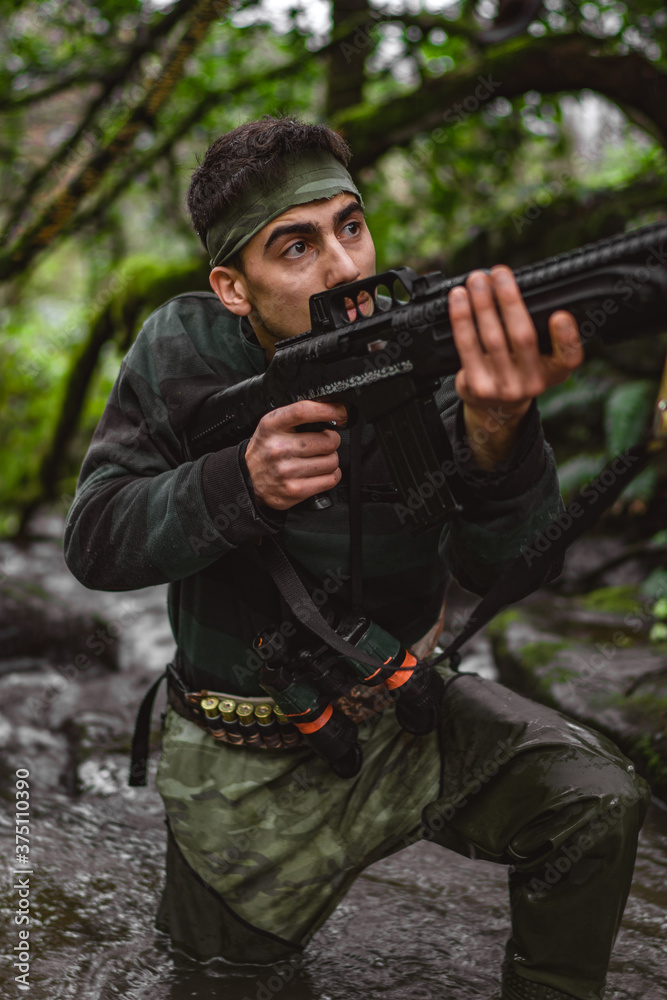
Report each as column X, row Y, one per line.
column 502, row 370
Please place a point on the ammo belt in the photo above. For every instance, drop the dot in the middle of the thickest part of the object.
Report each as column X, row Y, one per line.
column 258, row 723
column 248, row 723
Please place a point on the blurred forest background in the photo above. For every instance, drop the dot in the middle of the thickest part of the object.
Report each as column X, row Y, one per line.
column 473, row 144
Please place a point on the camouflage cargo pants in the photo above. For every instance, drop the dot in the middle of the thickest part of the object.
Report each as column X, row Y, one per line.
column 263, row 845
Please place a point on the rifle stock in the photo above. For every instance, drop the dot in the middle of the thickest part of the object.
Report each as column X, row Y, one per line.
column 390, row 359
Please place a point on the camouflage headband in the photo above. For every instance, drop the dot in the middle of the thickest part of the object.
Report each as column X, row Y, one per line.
column 308, row 178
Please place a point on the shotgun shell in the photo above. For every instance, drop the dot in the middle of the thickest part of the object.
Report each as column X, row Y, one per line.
column 268, row 727
column 245, row 713
column 249, row 728
column 231, row 725
column 290, row 735
column 210, row 707
column 228, row 709
column 213, row 718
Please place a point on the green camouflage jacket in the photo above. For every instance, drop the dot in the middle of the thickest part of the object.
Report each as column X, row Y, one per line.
column 143, row 515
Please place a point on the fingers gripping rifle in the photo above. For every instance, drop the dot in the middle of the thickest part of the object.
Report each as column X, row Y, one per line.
column 390, row 359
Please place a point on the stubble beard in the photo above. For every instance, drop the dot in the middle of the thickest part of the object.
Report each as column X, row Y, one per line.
column 273, row 332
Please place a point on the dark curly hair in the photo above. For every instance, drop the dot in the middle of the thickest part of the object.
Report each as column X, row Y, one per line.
column 250, row 156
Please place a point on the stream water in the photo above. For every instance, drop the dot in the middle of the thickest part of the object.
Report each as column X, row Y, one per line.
column 423, row 925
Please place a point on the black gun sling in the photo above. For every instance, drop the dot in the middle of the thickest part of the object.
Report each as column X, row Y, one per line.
column 518, row 580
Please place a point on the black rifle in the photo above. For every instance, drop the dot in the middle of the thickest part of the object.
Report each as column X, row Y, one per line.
column 389, row 360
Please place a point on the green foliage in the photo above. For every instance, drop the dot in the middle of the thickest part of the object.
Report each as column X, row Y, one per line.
column 646, row 751
column 498, row 626
column 627, row 410
column 37, row 362
column 658, row 632
column 660, row 609
column 597, row 414
column 541, row 653
column 575, row 472
column 613, row 600
column 655, row 584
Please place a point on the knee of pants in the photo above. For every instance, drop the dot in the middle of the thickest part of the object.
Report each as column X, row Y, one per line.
column 584, row 799
column 543, row 797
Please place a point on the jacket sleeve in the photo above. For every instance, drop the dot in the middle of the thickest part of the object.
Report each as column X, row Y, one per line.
column 502, row 511
column 142, row 515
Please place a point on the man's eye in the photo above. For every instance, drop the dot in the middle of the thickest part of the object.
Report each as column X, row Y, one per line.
column 297, row 249
column 353, row 228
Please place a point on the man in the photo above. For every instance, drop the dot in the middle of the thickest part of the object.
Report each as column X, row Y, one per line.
column 264, row 844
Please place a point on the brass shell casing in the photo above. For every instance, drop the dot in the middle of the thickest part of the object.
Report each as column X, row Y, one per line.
column 245, row 713
column 210, row 707
column 228, row 709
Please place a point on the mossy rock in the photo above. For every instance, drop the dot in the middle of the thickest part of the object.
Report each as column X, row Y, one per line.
column 617, row 687
column 649, row 751
column 541, row 653
column 619, row 600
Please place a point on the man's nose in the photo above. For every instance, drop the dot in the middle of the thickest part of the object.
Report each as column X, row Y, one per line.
column 340, row 266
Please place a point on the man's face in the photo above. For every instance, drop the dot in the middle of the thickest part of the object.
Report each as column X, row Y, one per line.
column 309, row 248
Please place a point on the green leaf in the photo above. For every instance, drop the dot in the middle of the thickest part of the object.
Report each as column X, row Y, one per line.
column 627, row 413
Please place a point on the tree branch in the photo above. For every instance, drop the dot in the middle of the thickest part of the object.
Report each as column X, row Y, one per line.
column 345, row 72
column 548, row 65
column 144, row 42
column 138, row 164
column 56, row 216
column 145, row 290
column 533, row 232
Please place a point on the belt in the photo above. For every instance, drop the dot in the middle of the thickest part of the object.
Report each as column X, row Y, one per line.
column 259, row 730
column 242, row 721
column 246, row 722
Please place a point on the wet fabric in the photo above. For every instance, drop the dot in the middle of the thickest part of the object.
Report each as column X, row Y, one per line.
column 280, row 840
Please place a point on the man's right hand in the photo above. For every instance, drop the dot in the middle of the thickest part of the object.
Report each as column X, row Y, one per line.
column 287, row 466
